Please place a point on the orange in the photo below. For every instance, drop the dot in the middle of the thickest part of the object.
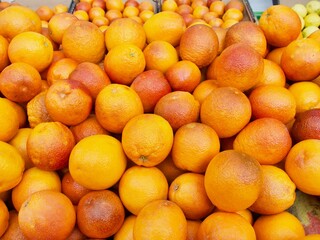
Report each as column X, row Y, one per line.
column 226, row 105
column 238, row 172
column 92, row 76
column 126, row 230
column 266, row 139
column 145, row 5
column 4, row 5
column 61, row 69
column 4, row 59
column 56, row 141
column 221, row 34
column 95, row 12
column 169, row 169
column 60, row 8
column 183, row 76
column 101, row 22
column 113, row 14
column 21, row 111
column 140, row 185
column 45, row 32
column 84, row 42
column 235, row 4
column 246, row 214
column 58, row 25
column 130, row 11
column 160, row 55
column 150, row 85
column 225, row 226
column 282, row 226
column 13, row 231
column 147, row 139
column 195, row 3
column 277, row 193
column 4, row 218
column 115, row 4
column 45, row 13
column 280, row 24
column 169, row 5
column 217, row 7
column 274, row 102
column 160, row 219
column 145, row 15
column 272, row 75
column 207, row 17
column 275, row 55
column 306, row 94
column 20, row 82
column 76, row 234
column 302, row 165
column 249, row 33
column 167, row 26
column 9, row 120
column 124, row 30
column 95, row 157
column 123, row 63
column 47, row 213
column 115, row 105
column 203, row 89
column 81, row 15
column 239, row 66
column 34, row 180
column 18, row 19
column 188, row 189
column 194, row 145
column 217, row 22
column 184, row 9
column 199, row 44
column 232, row 14
column 100, row 214
column 192, row 229
column 295, row 57
column 32, row 48
column 200, row 11
column 178, row 108
column 68, row 101
column 312, row 237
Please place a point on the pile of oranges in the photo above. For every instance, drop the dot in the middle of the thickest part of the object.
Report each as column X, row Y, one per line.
column 192, row 123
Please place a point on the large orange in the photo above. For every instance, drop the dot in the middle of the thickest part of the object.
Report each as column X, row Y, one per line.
column 9, row 121
column 167, row 26
column 147, row 139
column 126, row 230
column 125, row 30
column 203, row 89
column 4, row 58
column 4, row 218
column 115, row 105
column 84, row 42
column 160, row 219
column 124, row 62
column 238, row 172
column 280, row 24
column 60, row 69
column 18, row 19
column 199, row 44
column 239, row 66
column 95, row 157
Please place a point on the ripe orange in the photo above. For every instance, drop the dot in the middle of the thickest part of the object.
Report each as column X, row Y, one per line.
column 45, row 13
column 61, row 69
column 95, row 12
column 45, row 32
column 60, row 8
column 266, row 139
column 18, row 19
column 281, row 226
column 183, row 76
column 84, row 42
column 81, row 15
column 68, row 101
column 238, row 172
column 125, row 30
column 4, row 58
column 192, row 229
column 225, row 226
column 203, row 89
column 95, row 157
column 47, row 214
column 20, row 82
column 312, row 237
column 188, row 189
column 13, row 231
column 115, row 105
column 280, row 24
column 295, row 57
column 277, row 193
column 4, row 218
column 130, row 11
column 145, row 5
column 232, row 14
column 150, row 85
column 160, row 219
column 101, row 22
column 226, row 105
column 9, row 120
column 234, row 4
column 145, row 15
column 199, row 44
column 194, row 145
column 126, row 230
column 113, row 14
column 184, row 8
column 160, row 55
column 221, row 34
column 167, row 26
column 100, row 214
column 239, row 66
column 275, row 55
column 302, row 164
column 217, row 7
column 56, row 141
column 147, row 139
column 34, row 180
column 169, row 5
column 123, row 63
column 272, row 75
column 169, row 169
column 145, row 184
column 115, row 4
column 178, row 108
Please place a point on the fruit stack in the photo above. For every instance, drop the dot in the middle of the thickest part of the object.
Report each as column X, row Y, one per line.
column 121, row 122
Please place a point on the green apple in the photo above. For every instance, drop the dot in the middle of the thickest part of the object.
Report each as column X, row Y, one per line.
column 300, row 9
column 312, row 19
column 313, row 6
column 302, row 22
column 307, row 31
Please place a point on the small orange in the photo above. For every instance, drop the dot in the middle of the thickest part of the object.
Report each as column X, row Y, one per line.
column 266, row 139
column 184, row 9
column 145, row 5
column 113, row 14
column 235, row 4
column 115, row 4
column 203, row 89
column 147, row 139
column 216, row 22
column 312, row 237
column 221, row 34
column 81, row 15
column 4, row 218
column 200, row 11
column 45, row 13
column 232, row 14
column 238, row 172
column 45, row 32
column 115, row 105
column 145, row 15
column 61, row 69
column 47, row 213
column 169, row 169
column 281, row 226
column 95, row 157
column 13, row 231
column 96, row 12
column 160, row 219
column 209, row 16
column 4, row 58
column 9, row 120
column 169, row 5
column 60, row 8
column 126, row 230
column 217, row 7
column 192, row 229
column 272, row 75
column 130, row 11
column 101, row 22
column 275, row 55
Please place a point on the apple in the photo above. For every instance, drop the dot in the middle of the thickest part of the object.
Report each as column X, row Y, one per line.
column 307, row 31
column 313, row 6
column 312, row 19
column 302, row 22
column 300, row 9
